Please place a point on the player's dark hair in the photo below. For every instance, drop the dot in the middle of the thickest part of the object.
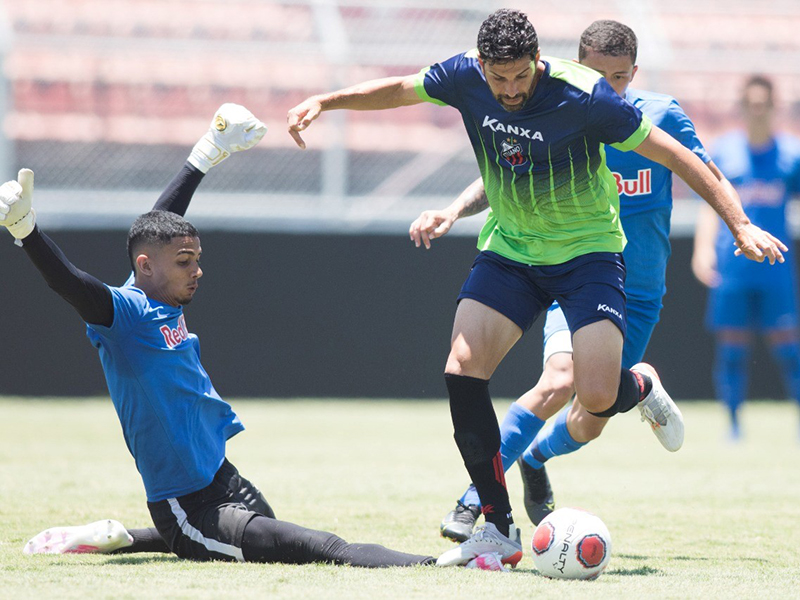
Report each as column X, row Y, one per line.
column 507, row 35
column 759, row 80
column 158, row 227
column 611, row 38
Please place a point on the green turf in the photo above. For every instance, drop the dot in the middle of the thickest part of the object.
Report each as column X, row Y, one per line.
column 712, row 521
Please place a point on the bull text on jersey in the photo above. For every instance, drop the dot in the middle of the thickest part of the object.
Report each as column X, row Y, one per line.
column 174, row 336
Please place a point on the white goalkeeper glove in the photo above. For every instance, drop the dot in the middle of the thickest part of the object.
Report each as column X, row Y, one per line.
column 234, row 128
column 16, row 213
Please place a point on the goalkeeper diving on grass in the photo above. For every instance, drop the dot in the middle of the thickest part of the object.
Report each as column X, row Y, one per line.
column 174, row 422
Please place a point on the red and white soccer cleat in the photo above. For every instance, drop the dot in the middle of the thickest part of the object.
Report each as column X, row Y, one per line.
column 486, row 539
column 100, row 537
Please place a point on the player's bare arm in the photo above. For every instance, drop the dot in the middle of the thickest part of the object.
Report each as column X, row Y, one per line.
column 377, row 94
column 432, row 224
column 755, row 243
column 704, row 255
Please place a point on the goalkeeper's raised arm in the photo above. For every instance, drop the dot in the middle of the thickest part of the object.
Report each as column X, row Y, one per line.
column 232, row 129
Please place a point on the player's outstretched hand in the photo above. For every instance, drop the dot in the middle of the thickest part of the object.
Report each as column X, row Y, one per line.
column 16, row 213
column 757, row 244
column 233, row 129
column 431, row 224
column 300, row 117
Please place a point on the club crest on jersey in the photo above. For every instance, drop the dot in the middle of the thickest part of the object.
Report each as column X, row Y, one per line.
column 174, row 336
column 640, row 186
column 511, row 150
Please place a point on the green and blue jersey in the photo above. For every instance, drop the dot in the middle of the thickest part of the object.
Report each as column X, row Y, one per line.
column 551, row 195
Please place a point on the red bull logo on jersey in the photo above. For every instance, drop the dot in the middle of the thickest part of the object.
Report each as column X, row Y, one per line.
column 174, row 336
column 496, row 125
column 511, row 150
column 640, row 186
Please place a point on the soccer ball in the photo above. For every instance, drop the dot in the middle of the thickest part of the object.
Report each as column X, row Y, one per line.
column 571, row 543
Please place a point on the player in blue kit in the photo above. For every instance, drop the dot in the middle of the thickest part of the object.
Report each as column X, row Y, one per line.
column 174, row 422
column 538, row 127
column 764, row 166
column 645, row 192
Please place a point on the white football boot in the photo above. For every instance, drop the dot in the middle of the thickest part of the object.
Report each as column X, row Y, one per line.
column 660, row 411
column 485, row 539
column 100, row 537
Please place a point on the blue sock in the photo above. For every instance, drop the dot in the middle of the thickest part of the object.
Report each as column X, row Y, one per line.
column 788, row 356
column 730, row 378
column 555, row 442
column 470, row 497
column 518, row 429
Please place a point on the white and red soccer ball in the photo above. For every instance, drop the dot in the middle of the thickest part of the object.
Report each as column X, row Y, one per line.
column 571, row 543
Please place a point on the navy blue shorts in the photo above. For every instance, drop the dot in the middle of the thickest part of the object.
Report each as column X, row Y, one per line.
column 589, row 288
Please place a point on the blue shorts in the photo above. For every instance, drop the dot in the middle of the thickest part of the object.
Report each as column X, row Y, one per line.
column 753, row 307
column 589, row 288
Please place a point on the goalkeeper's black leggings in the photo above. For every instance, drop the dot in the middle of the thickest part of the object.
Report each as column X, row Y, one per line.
column 231, row 520
column 270, row 540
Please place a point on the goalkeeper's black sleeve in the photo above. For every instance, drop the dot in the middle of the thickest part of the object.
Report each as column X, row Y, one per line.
column 90, row 297
column 180, row 190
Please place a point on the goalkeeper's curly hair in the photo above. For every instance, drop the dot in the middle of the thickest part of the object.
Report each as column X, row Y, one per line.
column 507, row 35
column 157, row 227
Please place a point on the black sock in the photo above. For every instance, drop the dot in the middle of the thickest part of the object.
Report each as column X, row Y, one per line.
column 633, row 388
column 477, row 436
column 145, row 540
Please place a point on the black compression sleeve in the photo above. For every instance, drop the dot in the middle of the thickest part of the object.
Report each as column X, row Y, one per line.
column 269, row 540
column 180, row 190
column 90, row 297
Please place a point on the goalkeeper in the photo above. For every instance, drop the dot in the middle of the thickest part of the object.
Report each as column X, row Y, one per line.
column 175, row 424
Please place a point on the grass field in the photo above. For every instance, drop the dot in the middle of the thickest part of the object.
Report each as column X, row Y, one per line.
column 713, row 520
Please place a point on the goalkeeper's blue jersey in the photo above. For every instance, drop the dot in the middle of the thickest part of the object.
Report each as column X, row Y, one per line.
column 174, row 422
column 551, row 195
column 765, row 178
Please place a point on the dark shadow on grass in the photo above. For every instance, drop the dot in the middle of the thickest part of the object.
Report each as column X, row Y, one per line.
column 141, row 559
column 644, row 571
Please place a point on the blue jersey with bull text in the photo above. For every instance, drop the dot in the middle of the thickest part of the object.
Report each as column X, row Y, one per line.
column 174, row 423
column 645, row 198
column 642, row 184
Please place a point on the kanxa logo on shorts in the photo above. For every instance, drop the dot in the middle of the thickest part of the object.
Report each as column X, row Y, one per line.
column 609, row 309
